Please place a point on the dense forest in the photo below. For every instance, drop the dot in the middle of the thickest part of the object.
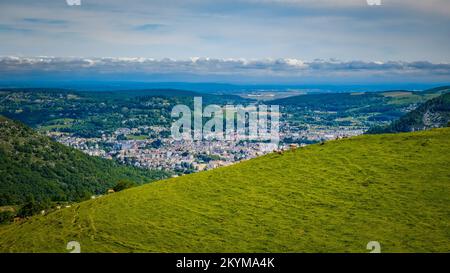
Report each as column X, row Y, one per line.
column 91, row 114
column 33, row 167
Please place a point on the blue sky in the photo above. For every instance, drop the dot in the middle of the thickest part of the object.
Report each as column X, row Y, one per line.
column 227, row 40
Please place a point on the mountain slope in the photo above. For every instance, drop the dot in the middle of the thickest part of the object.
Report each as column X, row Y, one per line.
column 332, row 101
column 431, row 114
column 32, row 165
column 394, row 189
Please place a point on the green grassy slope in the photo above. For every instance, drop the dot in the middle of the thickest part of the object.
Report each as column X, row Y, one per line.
column 335, row 197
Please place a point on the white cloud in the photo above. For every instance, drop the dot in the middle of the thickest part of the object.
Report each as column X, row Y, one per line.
column 210, row 66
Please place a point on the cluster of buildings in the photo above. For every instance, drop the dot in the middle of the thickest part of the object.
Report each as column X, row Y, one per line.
column 318, row 134
column 184, row 156
column 188, row 155
column 180, row 156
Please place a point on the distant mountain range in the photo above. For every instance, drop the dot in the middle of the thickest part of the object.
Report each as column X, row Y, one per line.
column 211, row 87
column 34, row 166
column 434, row 113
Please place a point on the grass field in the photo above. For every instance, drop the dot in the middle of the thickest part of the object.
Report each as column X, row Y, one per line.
column 336, row 197
column 137, row 137
column 401, row 98
column 397, row 94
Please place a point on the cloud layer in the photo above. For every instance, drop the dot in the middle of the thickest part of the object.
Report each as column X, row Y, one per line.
column 210, row 69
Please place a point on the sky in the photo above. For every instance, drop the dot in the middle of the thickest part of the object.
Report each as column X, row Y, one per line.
column 278, row 41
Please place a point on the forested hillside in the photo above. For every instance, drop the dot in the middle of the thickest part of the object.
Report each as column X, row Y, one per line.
column 34, row 166
column 434, row 113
